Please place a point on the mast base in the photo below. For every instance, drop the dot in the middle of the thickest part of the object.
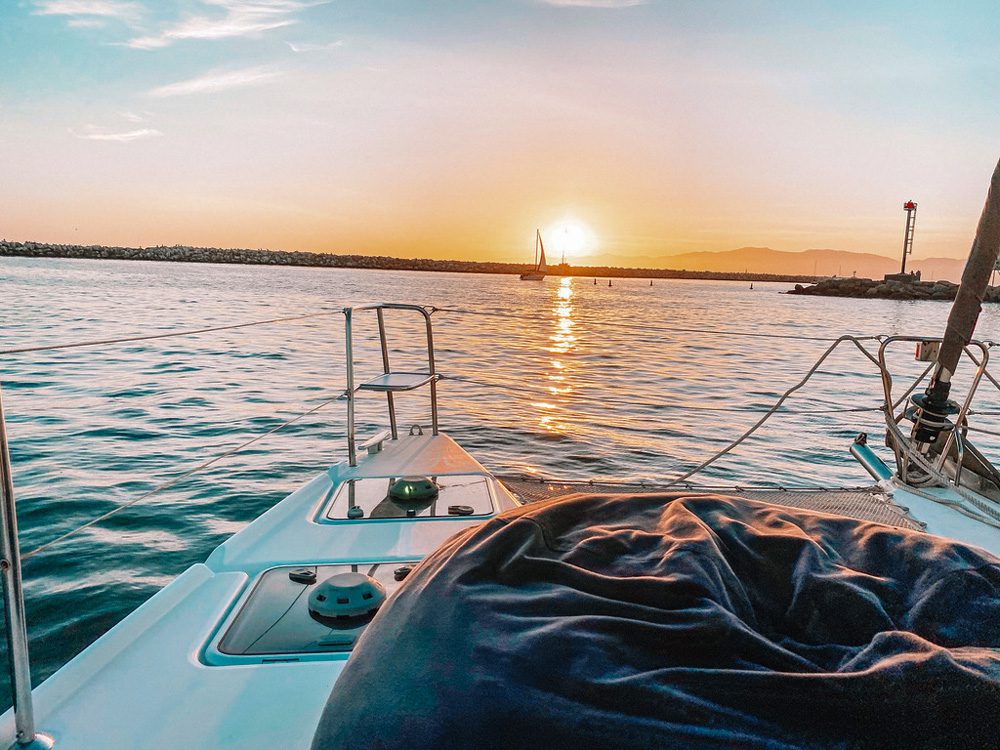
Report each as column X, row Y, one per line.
column 39, row 742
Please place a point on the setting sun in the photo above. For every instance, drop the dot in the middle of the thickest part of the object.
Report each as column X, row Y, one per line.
column 499, row 374
column 569, row 238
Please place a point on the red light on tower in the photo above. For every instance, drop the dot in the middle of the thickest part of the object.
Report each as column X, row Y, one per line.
column 909, row 205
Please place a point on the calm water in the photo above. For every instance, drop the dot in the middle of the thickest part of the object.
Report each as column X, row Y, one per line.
column 572, row 380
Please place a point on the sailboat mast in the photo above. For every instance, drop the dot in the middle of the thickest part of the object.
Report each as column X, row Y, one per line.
column 975, row 279
column 964, row 314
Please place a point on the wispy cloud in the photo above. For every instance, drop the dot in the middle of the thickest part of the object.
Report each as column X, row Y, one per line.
column 595, row 3
column 87, row 23
column 233, row 18
column 94, row 134
column 217, row 81
column 132, row 117
column 311, row 47
column 89, row 13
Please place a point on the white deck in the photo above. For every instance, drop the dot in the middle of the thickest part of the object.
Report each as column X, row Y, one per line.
column 943, row 520
column 146, row 683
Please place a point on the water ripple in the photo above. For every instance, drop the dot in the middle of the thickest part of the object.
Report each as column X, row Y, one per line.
column 567, row 379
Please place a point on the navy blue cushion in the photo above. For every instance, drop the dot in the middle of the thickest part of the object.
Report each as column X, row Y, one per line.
column 673, row 621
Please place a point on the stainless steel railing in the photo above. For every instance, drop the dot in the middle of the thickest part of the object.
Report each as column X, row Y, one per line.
column 386, row 384
column 26, row 736
column 954, row 434
column 13, row 601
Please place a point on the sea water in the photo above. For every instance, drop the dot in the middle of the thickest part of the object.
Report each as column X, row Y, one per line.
column 560, row 378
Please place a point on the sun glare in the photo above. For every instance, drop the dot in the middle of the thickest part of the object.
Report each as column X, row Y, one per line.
column 569, row 238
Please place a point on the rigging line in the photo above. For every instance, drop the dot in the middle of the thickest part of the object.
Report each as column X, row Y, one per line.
column 171, row 482
column 277, row 620
column 746, row 334
column 170, row 334
column 777, row 405
column 911, row 389
column 985, row 511
column 666, row 329
column 980, row 511
column 682, row 407
column 983, row 430
column 986, row 372
column 954, row 506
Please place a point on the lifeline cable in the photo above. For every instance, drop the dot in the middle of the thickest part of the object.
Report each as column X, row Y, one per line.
column 171, row 482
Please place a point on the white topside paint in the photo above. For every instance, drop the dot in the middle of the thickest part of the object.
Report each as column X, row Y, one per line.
column 146, row 683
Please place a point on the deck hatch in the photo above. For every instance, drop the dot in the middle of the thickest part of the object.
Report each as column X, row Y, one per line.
column 275, row 621
column 458, row 496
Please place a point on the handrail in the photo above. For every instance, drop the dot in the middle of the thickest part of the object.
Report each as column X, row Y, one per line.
column 26, row 737
column 13, row 591
column 379, row 309
column 902, row 447
column 975, row 505
column 13, row 600
column 385, row 366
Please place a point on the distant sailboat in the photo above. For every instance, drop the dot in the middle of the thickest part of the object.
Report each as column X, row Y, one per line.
column 540, row 268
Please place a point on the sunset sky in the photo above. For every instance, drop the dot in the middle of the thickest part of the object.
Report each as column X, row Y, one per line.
column 454, row 129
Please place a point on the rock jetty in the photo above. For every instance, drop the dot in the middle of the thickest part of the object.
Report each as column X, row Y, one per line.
column 890, row 289
column 186, row 254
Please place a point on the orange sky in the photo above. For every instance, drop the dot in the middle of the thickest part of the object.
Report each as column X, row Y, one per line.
column 454, row 132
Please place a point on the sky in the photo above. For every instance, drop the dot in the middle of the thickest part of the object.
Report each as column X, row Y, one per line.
column 621, row 128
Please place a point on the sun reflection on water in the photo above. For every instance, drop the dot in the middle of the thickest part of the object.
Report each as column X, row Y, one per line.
column 563, row 342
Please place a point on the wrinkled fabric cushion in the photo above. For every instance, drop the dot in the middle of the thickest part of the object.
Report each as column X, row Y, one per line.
column 672, row 621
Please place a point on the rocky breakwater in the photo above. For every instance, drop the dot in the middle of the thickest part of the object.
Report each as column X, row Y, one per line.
column 902, row 290
column 186, row 254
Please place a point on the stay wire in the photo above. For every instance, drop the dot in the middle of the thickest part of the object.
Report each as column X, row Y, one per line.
column 661, row 329
column 823, row 408
column 167, row 335
column 777, row 405
column 174, row 480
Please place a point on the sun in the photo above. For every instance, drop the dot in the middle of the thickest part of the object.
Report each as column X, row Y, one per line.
column 568, row 238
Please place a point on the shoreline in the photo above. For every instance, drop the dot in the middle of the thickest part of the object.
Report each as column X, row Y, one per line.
column 186, row 254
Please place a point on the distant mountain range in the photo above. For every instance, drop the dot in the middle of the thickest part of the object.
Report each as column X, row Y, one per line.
column 805, row 262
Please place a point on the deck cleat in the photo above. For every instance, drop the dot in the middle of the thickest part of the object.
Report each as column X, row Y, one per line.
column 303, row 575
